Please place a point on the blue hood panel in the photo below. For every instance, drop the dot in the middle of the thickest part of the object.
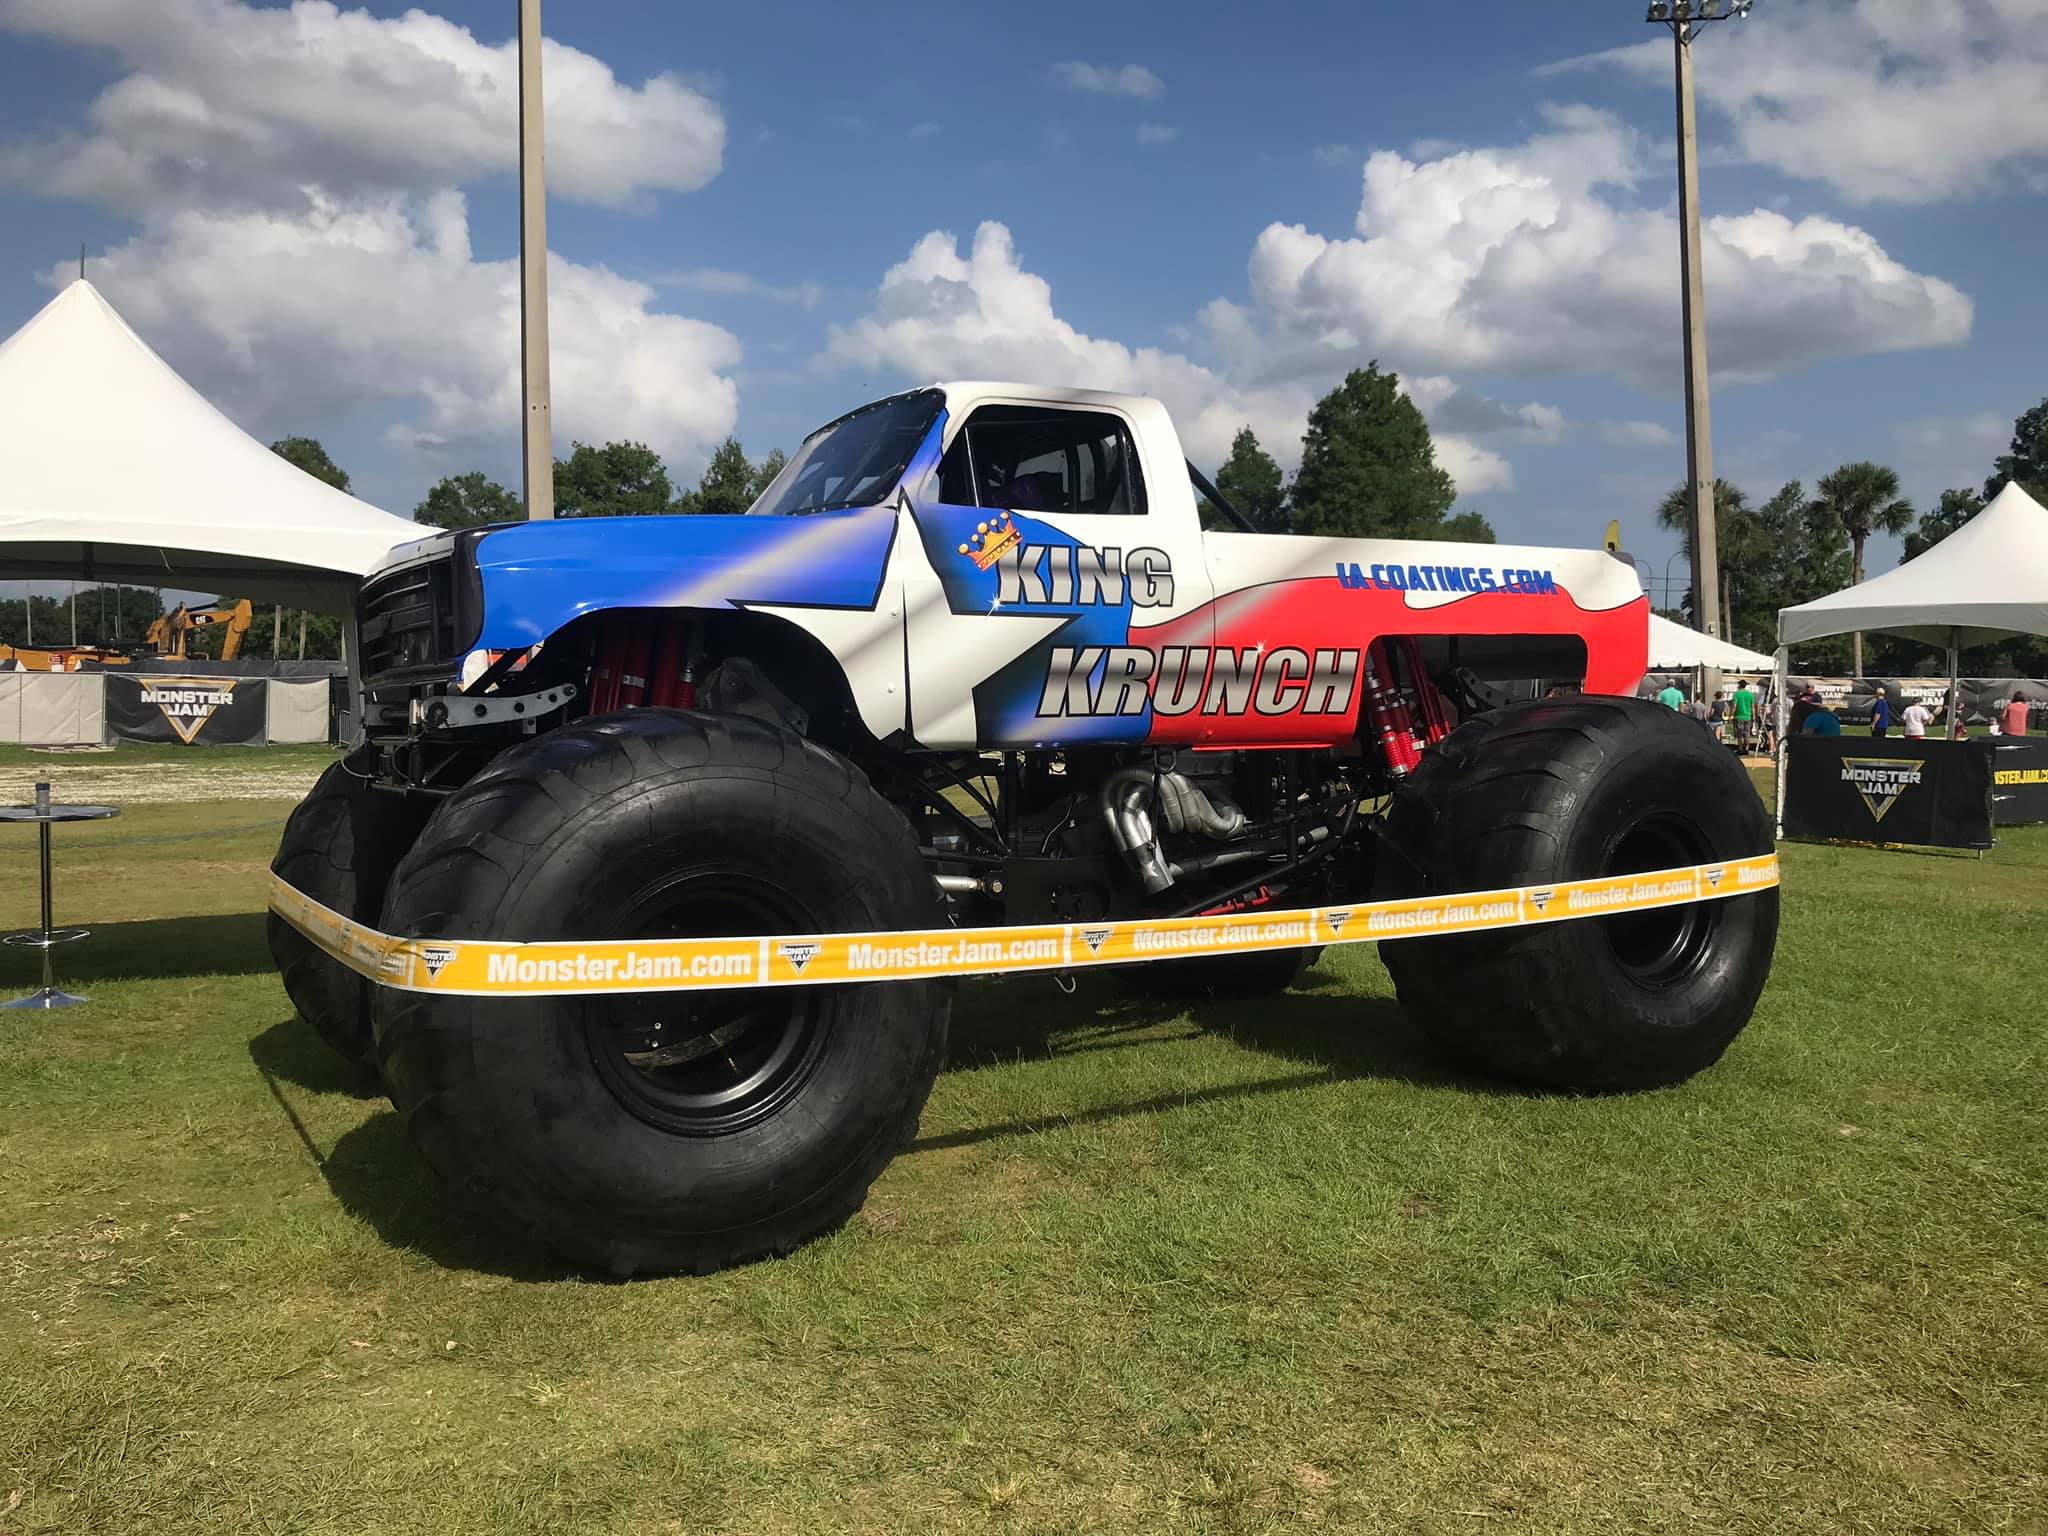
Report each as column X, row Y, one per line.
column 539, row 576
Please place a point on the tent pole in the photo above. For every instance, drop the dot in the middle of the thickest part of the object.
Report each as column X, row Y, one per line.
column 1955, row 638
column 1781, row 713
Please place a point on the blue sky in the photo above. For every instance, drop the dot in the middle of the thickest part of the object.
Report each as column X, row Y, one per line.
column 770, row 213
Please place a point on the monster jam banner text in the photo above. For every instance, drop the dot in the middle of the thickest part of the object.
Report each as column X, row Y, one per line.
column 1889, row 790
column 2019, row 781
column 187, row 711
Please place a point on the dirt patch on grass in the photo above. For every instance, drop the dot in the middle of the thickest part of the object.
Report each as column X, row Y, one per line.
column 107, row 781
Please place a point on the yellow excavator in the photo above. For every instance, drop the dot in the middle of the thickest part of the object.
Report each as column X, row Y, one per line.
column 166, row 640
column 167, row 634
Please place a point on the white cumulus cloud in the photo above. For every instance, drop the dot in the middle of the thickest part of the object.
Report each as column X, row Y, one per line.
column 292, row 317
column 942, row 314
column 1157, row 133
column 1637, row 434
column 1133, row 80
column 1912, row 101
column 1538, row 258
column 228, row 104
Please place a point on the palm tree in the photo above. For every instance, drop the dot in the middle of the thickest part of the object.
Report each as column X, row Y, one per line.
column 1864, row 499
column 1737, row 536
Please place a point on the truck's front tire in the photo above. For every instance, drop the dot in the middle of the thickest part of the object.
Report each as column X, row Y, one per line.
column 1565, row 790
column 339, row 847
column 664, row 1131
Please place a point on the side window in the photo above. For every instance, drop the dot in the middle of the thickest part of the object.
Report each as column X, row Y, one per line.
column 1035, row 459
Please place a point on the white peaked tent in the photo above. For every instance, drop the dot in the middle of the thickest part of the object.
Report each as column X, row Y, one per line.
column 1985, row 581
column 1673, row 646
column 112, row 468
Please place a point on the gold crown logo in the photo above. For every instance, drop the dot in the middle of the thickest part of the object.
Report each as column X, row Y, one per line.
column 991, row 541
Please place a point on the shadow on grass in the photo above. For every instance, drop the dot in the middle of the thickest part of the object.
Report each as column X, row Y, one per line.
column 291, row 1052
column 1332, row 1035
column 378, row 1177
column 231, row 944
column 1317, row 1024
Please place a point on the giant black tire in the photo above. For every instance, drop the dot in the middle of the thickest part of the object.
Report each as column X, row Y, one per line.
column 664, row 1132
column 339, row 847
column 1574, row 789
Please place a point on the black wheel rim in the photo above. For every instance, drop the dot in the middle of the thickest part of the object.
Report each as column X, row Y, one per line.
column 1666, row 946
column 709, row 1063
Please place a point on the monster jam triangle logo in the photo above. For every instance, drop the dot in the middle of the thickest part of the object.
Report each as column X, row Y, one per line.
column 799, row 955
column 1541, row 899
column 436, row 957
column 1881, row 780
column 1715, row 874
column 187, row 703
column 1093, row 938
column 1337, row 919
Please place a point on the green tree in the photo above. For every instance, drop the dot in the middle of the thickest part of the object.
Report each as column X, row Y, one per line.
column 2027, row 460
column 766, row 471
column 1467, row 528
column 1369, row 469
column 1250, row 481
column 468, row 501
column 617, row 480
column 1864, row 499
column 1955, row 509
column 307, row 454
column 726, row 487
column 1737, row 541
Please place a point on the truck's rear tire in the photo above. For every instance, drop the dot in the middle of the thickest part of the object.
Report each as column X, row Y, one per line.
column 1565, row 790
column 664, row 1131
column 339, row 847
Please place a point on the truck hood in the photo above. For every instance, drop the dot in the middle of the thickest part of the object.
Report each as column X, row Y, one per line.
column 538, row 576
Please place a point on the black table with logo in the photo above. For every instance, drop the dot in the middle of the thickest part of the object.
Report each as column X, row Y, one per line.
column 1892, row 789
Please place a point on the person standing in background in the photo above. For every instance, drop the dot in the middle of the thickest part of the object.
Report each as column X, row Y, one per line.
column 1803, row 706
column 1880, row 713
column 1671, row 698
column 2016, row 716
column 1745, row 713
column 1915, row 720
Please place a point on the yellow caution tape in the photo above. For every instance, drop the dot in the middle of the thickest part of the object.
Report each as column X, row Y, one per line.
column 496, row 968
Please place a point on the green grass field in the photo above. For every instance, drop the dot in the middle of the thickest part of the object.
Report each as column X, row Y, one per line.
column 1233, row 1270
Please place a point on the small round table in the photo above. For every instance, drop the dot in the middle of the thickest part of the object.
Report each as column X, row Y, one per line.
column 44, row 814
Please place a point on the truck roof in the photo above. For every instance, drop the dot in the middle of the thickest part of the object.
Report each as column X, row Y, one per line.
column 1052, row 394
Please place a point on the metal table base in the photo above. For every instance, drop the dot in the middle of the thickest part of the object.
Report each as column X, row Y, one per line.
column 49, row 936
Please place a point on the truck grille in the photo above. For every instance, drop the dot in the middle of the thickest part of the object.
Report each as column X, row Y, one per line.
column 410, row 622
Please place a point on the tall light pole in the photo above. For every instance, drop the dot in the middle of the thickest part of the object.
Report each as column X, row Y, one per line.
column 538, row 435
column 1685, row 18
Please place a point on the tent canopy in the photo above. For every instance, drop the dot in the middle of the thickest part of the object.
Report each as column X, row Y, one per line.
column 1985, row 581
column 112, row 468
column 1673, row 646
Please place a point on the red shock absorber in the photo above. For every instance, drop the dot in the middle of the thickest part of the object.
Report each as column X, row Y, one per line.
column 1388, row 712
column 610, row 663
column 638, row 656
column 1436, row 722
column 668, row 664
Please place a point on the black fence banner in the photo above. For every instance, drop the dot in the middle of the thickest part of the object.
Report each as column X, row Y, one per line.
column 1889, row 790
column 2019, row 781
column 187, row 711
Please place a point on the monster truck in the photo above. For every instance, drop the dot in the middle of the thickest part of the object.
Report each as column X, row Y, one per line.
column 981, row 654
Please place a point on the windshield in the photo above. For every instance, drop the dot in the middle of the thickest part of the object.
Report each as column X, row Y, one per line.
column 855, row 461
